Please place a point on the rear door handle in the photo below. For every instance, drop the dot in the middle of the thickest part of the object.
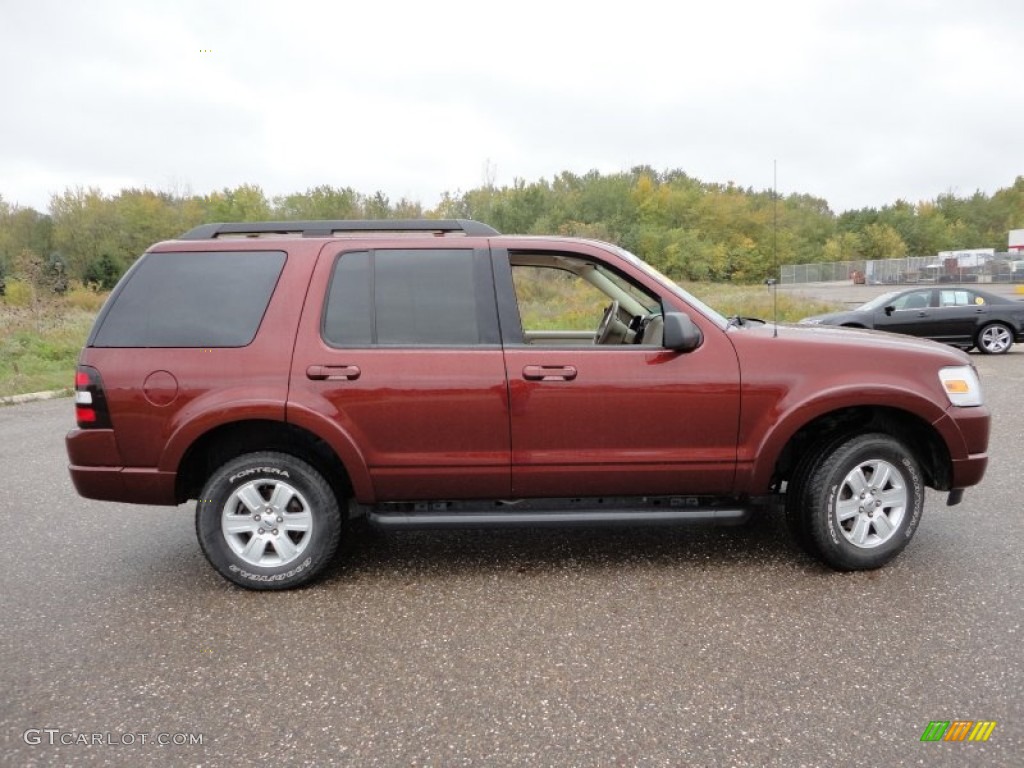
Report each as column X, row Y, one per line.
column 333, row 372
column 549, row 373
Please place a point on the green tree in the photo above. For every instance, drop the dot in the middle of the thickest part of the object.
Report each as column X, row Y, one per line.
column 323, row 202
column 243, row 203
column 104, row 272
column 843, row 246
column 881, row 241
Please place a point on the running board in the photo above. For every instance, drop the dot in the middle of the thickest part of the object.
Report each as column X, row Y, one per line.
column 559, row 513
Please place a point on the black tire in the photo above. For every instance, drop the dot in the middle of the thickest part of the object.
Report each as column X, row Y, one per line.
column 850, row 530
column 795, row 502
column 994, row 339
column 268, row 520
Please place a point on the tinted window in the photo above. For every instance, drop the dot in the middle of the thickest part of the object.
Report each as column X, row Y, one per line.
column 442, row 297
column 210, row 299
column 348, row 321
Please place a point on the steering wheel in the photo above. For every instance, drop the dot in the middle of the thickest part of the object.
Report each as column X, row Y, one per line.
column 605, row 328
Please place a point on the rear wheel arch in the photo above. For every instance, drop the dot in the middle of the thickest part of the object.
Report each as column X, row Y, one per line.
column 221, row 444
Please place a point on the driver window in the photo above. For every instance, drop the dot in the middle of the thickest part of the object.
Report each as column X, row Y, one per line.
column 552, row 299
column 565, row 299
column 914, row 300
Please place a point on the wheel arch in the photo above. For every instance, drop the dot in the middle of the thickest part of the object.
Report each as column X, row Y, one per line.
column 919, row 436
column 226, row 441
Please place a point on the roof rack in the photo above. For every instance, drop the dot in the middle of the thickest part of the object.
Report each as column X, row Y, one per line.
column 330, row 228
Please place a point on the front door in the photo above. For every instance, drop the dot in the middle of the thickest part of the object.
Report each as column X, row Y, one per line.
column 912, row 314
column 625, row 417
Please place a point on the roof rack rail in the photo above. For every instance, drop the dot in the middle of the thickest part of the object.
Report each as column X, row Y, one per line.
column 329, row 228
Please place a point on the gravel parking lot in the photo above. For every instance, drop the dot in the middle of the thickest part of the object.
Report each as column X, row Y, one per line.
column 665, row 647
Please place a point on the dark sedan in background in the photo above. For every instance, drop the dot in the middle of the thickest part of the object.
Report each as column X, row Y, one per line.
column 957, row 315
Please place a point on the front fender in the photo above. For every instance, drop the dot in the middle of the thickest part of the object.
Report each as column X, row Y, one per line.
column 763, row 440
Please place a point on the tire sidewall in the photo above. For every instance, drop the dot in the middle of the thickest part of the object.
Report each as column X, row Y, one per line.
column 323, row 506
column 825, row 485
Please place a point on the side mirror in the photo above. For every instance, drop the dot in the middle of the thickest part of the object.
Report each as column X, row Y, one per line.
column 680, row 333
column 889, row 310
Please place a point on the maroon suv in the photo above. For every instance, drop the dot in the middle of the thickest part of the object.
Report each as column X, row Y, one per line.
column 292, row 375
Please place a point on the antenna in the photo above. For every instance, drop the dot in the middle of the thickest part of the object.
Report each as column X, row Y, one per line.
column 771, row 282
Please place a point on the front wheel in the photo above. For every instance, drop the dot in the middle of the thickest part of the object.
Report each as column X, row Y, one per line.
column 994, row 339
column 861, row 502
column 268, row 520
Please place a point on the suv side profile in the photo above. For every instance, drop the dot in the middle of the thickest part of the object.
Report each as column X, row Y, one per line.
column 290, row 376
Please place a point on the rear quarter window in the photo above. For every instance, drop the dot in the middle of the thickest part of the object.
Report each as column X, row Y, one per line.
column 198, row 299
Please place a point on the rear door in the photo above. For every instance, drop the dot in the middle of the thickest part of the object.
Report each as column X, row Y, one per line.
column 959, row 315
column 399, row 347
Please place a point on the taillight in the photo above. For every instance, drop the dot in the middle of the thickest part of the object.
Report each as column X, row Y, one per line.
column 90, row 402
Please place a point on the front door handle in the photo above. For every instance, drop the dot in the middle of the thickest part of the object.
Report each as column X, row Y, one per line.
column 549, row 373
column 333, row 372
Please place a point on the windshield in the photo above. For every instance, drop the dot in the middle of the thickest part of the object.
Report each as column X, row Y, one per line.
column 686, row 296
column 880, row 301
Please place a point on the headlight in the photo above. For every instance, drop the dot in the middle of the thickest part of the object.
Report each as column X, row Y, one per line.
column 810, row 321
column 961, row 385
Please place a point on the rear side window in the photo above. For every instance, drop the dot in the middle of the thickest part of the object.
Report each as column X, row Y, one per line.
column 207, row 299
column 411, row 297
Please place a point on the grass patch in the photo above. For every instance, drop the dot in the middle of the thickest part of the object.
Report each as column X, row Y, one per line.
column 39, row 343
column 756, row 301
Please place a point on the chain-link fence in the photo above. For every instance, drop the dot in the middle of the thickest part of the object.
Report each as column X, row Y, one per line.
column 993, row 268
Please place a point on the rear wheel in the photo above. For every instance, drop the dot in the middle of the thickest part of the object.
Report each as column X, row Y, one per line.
column 268, row 521
column 994, row 339
column 858, row 504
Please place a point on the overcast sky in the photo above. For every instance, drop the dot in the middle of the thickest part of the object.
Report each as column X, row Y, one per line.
column 859, row 102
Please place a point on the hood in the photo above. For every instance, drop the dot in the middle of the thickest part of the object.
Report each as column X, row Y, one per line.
column 832, row 318
column 824, row 341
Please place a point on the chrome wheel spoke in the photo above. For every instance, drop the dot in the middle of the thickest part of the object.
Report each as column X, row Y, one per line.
column 857, row 482
column 881, row 472
column 847, row 508
column 285, row 547
column 253, row 551
column 893, row 497
column 883, row 527
column 280, row 497
column 299, row 521
column 249, row 495
column 859, row 534
column 236, row 524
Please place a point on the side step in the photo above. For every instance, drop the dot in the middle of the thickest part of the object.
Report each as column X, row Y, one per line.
column 546, row 513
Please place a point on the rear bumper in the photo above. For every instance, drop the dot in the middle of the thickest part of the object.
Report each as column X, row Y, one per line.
column 125, row 484
column 97, row 471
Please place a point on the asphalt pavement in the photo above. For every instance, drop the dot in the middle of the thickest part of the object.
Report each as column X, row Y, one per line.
column 668, row 647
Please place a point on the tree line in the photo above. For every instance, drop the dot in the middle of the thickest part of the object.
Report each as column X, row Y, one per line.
column 689, row 229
